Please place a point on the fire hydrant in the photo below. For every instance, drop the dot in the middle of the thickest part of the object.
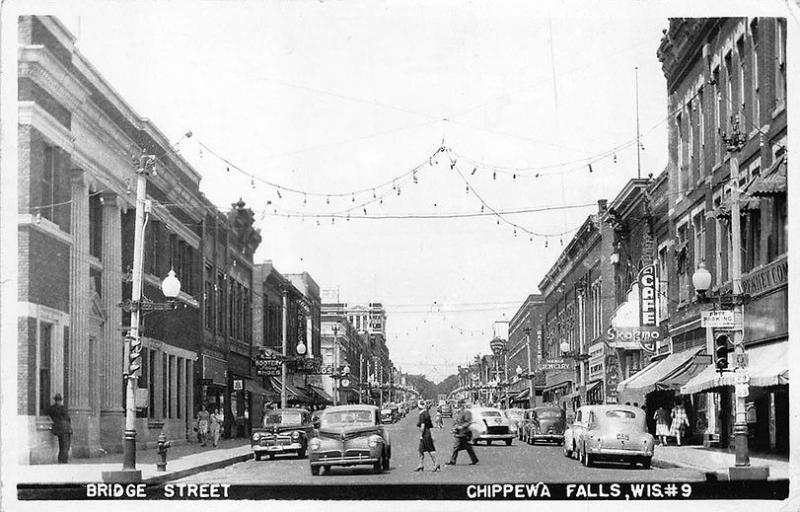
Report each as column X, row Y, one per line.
column 163, row 446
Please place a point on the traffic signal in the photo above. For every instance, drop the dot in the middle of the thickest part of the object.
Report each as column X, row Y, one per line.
column 721, row 344
column 134, row 356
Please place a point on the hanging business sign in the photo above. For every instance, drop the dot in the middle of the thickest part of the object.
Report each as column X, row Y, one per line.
column 647, row 296
column 555, row 364
column 634, row 338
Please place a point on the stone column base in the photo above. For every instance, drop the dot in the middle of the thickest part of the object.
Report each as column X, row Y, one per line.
column 85, row 435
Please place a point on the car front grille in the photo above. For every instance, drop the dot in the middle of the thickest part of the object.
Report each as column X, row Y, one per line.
column 357, row 453
column 494, row 430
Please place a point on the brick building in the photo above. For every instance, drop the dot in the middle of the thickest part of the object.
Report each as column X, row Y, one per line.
column 728, row 75
column 75, row 252
column 528, row 316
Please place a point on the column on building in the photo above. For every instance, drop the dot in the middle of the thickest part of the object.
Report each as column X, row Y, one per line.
column 78, row 391
column 112, row 414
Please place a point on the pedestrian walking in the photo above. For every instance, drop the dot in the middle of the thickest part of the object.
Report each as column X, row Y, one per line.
column 462, row 436
column 215, row 420
column 62, row 427
column 662, row 424
column 679, row 422
column 202, row 420
column 425, row 425
column 439, row 422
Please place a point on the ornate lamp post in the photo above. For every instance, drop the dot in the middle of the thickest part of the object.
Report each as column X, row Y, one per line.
column 145, row 166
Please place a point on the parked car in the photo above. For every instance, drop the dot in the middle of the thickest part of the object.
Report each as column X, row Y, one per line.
column 349, row 435
column 514, row 416
column 387, row 416
column 447, row 410
column 489, row 424
column 609, row 432
column 282, row 431
column 546, row 423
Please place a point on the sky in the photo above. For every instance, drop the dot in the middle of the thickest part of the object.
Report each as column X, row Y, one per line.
column 329, row 97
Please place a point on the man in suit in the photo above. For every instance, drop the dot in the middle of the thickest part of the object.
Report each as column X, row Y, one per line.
column 62, row 427
column 463, row 436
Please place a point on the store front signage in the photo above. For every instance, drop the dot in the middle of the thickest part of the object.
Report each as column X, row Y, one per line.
column 612, row 379
column 269, row 364
column 555, row 364
column 761, row 280
column 634, row 338
column 647, row 296
column 717, row 319
column 238, row 384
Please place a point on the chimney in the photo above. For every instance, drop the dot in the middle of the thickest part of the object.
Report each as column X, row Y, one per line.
column 602, row 205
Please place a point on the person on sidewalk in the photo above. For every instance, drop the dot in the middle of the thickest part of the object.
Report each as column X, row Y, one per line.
column 62, row 427
column 462, row 436
column 202, row 419
column 662, row 424
column 425, row 438
column 679, row 421
column 215, row 420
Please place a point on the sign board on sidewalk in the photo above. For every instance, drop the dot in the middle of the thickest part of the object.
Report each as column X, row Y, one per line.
column 718, row 319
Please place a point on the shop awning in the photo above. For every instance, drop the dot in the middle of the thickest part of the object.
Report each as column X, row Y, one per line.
column 592, row 385
column 636, row 388
column 768, row 366
column 685, row 374
column 293, row 394
column 321, row 395
column 772, row 182
column 256, row 388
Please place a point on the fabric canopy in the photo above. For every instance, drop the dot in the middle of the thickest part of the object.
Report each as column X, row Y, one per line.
column 321, row 394
column 255, row 387
column 771, row 182
column 768, row 365
column 293, row 393
column 592, row 385
column 636, row 388
column 522, row 395
column 687, row 373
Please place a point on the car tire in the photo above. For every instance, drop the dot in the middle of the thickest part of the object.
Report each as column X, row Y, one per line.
column 378, row 466
column 271, row 456
column 301, row 453
column 257, row 456
column 587, row 458
column 315, row 470
column 488, row 442
column 386, row 461
column 508, row 442
column 475, row 442
column 646, row 461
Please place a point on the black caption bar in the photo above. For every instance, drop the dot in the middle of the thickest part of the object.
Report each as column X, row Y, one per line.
column 769, row 490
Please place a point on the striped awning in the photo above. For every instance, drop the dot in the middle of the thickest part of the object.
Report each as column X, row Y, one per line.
column 768, row 366
column 772, row 182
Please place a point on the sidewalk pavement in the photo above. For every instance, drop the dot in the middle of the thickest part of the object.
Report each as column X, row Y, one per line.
column 714, row 462
column 183, row 460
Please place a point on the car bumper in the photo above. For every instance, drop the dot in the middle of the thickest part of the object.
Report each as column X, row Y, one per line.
column 343, row 461
column 618, row 453
column 510, row 435
column 293, row 447
column 548, row 437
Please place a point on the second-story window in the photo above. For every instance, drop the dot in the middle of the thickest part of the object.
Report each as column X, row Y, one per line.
column 755, row 108
column 716, row 99
column 683, row 265
column 663, row 281
column 740, row 104
column 780, row 60
column 699, row 229
column 681, row 170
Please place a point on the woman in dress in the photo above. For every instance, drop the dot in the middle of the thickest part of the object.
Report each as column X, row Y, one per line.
column 215, row 420
column 202, row 419
column 425, row 438
column 662, row 424
column 679, row 422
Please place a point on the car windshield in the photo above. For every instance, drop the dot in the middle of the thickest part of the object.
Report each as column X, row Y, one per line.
column 283, row 418
column 514, row 413
column 549, row 414
column 491, row 413
column 347, row 418
column 621, row 414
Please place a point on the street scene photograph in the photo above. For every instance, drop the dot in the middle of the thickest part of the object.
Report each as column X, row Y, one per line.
column 420, row 251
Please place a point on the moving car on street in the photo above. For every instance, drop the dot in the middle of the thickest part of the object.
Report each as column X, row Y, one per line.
column 609, row 432
column 349, row 435
column 282, row 431
column 489, row 424
column 546, row 423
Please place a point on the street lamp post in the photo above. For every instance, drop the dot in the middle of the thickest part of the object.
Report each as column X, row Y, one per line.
column 336, row 363
column 531, row 381
column 170, row 287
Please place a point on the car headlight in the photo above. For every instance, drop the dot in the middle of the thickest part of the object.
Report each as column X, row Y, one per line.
column 314, row 444
column 512, row 428
column 295, row 434
column 256, row 436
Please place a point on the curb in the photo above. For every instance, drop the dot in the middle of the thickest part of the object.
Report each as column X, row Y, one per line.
column 209, row 466
column 711, row 475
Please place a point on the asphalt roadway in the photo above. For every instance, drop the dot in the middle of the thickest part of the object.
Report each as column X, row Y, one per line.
column 518, row 463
